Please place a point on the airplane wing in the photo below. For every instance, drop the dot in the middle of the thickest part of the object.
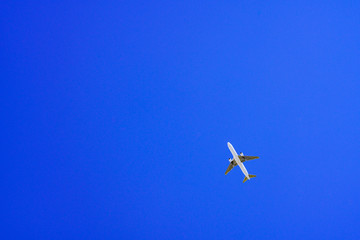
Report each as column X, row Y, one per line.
column 247, row 158
column 231, row 165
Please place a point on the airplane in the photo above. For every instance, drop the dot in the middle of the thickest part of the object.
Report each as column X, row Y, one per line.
column 238, row 160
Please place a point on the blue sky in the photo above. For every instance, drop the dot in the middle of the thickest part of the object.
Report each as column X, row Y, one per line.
column 115, row 118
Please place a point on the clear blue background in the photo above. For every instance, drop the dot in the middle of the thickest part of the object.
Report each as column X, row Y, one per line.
column 115, row 118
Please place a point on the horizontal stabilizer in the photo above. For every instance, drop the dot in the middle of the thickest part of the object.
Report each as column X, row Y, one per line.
column 250, row 175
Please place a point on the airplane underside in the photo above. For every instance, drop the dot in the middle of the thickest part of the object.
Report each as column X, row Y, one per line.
column 238, row 161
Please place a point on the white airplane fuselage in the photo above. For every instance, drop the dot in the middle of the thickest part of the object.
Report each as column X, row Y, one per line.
column 237, row 159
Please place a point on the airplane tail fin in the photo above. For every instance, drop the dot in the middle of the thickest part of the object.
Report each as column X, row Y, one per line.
column 250, row 175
